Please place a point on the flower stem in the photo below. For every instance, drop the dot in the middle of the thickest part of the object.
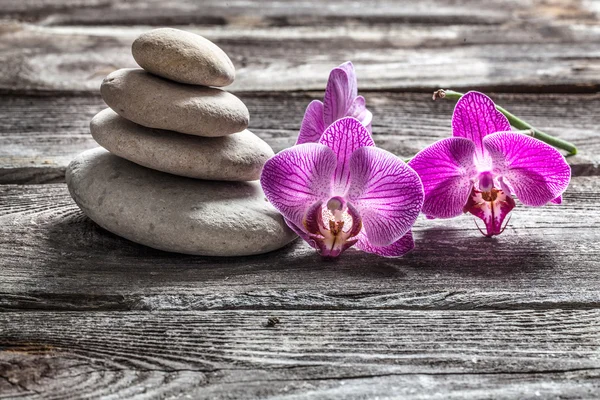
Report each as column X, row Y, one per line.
column 517, row 123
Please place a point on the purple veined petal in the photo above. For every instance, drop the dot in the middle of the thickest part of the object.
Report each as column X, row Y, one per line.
column 340, row 92
column 446, row 169
column 387, row 193
column 397, row 249
column 475, row 116
column 359, row 111
column 312, row 125
column 557, row 200
column 298, row 177
column 344, row 136
column 348, row 67
column 536, row 171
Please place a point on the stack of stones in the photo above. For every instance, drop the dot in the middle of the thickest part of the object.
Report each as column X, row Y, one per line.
column 177, row 169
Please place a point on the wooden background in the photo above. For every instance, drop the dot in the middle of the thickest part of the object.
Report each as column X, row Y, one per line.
column 86, row 314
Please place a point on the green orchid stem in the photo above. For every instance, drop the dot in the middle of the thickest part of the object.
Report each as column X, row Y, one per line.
column 517, row 123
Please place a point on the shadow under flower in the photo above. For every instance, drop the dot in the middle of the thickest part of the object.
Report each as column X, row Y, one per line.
column 79, row 256
column 467, row 253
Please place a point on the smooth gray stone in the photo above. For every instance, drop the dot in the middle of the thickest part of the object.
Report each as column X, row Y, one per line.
column 183, row 57
column 158, row 103
column 237, row 157
column 174, row 213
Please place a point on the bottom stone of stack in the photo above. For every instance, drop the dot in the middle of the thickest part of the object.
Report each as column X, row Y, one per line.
column 174, row 213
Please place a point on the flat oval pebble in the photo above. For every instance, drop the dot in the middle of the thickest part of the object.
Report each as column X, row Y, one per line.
column 237, row 157
column 174, row 213
column 183, row 57
column 157, row 103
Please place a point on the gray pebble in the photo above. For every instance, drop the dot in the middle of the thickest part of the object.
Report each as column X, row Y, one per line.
column 183, row 57
column 173, row 213
column 157, row 103
column 237, row 157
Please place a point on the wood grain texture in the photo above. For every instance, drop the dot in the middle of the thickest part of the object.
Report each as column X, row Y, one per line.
column 384, row 354
column 504, row 45
column 240, row 13
column 40, row 135
column 54, row 258
column 277, row 13
column 86, row 314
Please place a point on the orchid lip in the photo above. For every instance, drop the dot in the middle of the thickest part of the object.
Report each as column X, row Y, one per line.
column 491, row 207
column 326, row 226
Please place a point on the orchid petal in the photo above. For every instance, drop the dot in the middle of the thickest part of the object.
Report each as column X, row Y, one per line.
column 312, row 125
column 446, row 169
column 397, row 249
column 298, row 177
column 348, row 68
column 536, row 171
column 344, row 136
column 340, row 92
column 475, row 116
column 386, row 192
column 557, row 200
column 358, row 110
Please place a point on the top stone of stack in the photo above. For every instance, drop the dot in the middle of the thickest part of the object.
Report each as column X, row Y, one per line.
column 183, row 57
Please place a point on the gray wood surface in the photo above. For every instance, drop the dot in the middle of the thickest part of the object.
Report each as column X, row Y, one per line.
column 54, row 258
column 40, row 135
column 509, row 45
column 86, row 314
column 325, row 354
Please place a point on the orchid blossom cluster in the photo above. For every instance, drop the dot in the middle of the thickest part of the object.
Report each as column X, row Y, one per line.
column 335, row 189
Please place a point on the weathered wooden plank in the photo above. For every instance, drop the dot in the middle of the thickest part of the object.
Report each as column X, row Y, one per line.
column 290, row 12
column 52, row 257
column 529, row 44
column 40, row 135
column 528, row 54
column 307, row 354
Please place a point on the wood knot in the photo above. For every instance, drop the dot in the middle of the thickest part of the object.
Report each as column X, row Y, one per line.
column 272, row 322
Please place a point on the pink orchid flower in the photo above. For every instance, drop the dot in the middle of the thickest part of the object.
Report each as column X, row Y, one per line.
column 484, row 165
column 343, row 191
column 341, row 100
